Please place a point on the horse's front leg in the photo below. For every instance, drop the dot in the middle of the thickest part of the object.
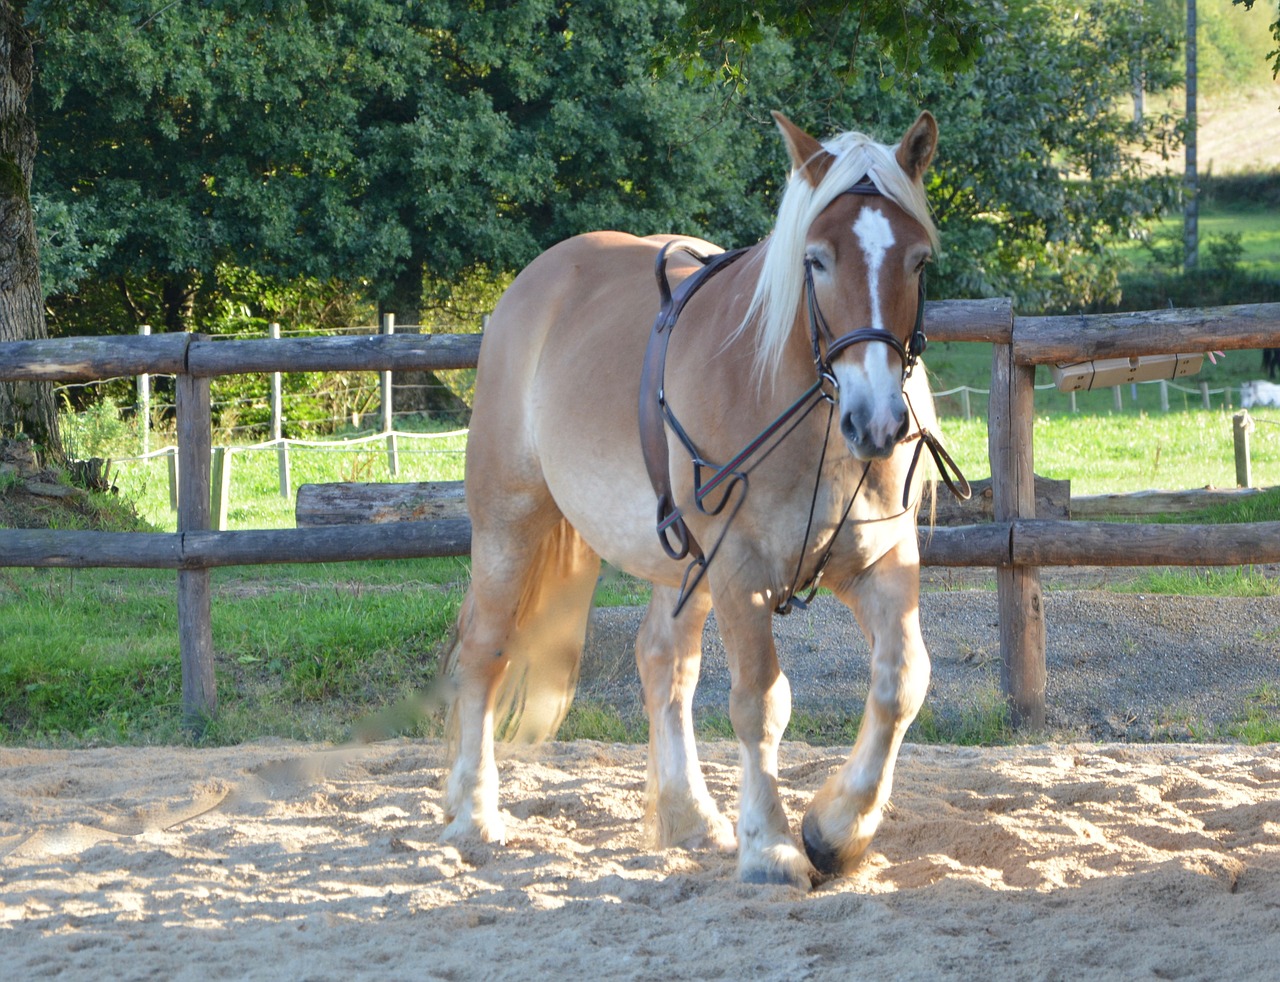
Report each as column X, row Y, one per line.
column 669, row 654
column 759, row 707
column 845, row 813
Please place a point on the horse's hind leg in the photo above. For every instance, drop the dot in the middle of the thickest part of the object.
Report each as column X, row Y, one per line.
column 845, row 813
column 680, row 811
column 760, row 707
column 524, row 576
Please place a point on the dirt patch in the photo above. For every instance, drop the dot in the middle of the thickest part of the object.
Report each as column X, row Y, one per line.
column 1120, row 666
column 275, row 861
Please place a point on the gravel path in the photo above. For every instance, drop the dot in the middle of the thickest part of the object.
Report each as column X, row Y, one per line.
column 1120, row 666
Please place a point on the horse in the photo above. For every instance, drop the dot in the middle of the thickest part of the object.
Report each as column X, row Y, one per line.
column 1259, row 394
column 825, row 314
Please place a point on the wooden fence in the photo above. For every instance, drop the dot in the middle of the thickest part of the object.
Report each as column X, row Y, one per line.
column 1016, row 544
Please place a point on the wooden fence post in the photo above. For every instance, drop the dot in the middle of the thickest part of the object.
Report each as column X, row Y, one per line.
column 195, row 623
column 388, row 422
column 277, row 426
column 1242, row 426
column 1022, row 637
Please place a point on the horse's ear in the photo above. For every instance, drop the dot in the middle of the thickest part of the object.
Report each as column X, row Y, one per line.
column 807, row 156
column 917, row 146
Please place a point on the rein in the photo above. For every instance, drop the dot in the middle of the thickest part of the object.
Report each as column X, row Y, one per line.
column 677, row 541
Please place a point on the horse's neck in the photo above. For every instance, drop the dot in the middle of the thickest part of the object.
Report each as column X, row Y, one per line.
column 732, row 292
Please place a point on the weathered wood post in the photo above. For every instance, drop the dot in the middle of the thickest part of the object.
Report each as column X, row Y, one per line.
column 1242, row 426
column 1022, row 635
column 277, row 425
column 195, row 623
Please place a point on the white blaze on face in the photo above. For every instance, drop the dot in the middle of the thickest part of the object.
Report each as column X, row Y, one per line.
column 870, row 391
column 875, row 235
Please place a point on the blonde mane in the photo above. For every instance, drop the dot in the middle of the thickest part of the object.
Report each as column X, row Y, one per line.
column 776, row 301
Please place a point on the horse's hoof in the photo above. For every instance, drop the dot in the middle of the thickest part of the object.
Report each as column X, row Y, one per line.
column 491, row 831
column 780, row 866
column 825, row 859
column 777, row 877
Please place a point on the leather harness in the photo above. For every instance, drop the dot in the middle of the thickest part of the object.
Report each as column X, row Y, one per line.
column 676, row 539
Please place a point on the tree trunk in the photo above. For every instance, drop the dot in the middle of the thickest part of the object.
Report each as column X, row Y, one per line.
column 1191, row 182
column 418, row 392
column 25, row 407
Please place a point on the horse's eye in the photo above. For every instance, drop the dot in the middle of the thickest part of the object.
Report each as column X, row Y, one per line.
column 815, row 263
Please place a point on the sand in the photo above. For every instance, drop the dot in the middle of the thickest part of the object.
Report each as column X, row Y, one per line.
column 280, row 860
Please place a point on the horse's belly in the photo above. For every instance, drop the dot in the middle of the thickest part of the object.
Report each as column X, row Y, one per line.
column 585, row 408
column 589, row 449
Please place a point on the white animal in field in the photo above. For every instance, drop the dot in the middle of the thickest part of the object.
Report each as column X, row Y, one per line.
column 1259, row 394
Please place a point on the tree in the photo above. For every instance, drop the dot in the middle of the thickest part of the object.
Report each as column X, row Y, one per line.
column 370, row 141
column 1038, row 172
column 25, row 407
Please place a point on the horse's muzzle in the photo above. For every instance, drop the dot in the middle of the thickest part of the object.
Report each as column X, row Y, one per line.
column 871, row 439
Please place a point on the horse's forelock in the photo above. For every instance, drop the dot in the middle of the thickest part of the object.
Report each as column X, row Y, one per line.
column 779, row 288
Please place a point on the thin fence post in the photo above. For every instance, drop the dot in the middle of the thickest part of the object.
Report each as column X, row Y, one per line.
column 195, row 622
column 1164, row 395
column 1242, row 426
column 277, row 425
column 1118, row 397
column 1074, row 408
column 1204, row 395
column 144, row 399
column 221, row 485
column 964, row 401
column 172, row 458
column 388, row 423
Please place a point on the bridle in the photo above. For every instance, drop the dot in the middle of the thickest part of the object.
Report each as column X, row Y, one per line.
column 656, row 416
column 819, row 330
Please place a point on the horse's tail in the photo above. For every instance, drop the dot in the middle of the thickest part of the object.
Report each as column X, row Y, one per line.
column 544, row 649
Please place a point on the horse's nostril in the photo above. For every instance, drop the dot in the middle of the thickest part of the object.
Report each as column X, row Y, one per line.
column 849, row 428
column 902, row 429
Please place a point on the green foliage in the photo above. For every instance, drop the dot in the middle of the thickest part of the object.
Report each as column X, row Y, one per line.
column 718, row 37
column 365, row 141
column 373, row 143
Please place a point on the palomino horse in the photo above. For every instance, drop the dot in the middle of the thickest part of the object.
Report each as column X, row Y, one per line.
column 801, row 346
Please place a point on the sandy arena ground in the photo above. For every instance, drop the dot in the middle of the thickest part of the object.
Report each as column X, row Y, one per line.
column 275, row 861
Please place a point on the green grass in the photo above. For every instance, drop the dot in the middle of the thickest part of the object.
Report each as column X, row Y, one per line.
column 1126, row 452
column 301, row 652
column 255, row 501
column 1255, row 224
column 1259, row 721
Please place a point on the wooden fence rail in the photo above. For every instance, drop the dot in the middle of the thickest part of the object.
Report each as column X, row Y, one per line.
column 1016, row 544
